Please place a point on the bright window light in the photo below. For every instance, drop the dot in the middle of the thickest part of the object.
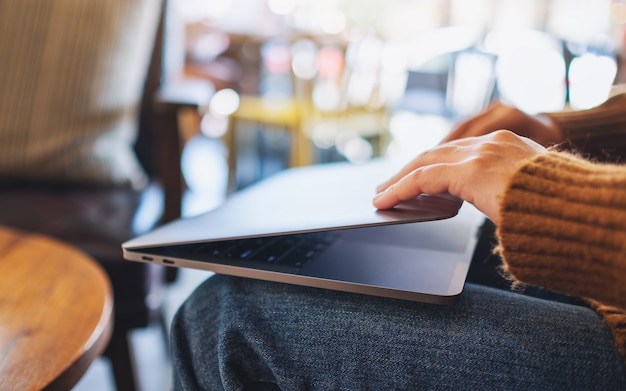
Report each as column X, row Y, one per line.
column 224, row 102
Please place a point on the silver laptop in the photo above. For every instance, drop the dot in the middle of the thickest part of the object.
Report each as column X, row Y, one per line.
column 316, row 226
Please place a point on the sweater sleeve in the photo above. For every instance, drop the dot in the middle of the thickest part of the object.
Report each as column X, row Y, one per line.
column 563, row 227
column 598, row 133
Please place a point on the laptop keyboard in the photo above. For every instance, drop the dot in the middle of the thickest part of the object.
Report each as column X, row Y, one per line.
column 293, row 251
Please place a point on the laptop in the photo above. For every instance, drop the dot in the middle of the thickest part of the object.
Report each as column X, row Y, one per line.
column 316, row 226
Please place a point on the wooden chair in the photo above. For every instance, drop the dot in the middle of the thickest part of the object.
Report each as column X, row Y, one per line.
column 96, row 216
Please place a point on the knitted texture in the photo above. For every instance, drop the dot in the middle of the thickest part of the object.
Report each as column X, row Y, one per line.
column 564, row 228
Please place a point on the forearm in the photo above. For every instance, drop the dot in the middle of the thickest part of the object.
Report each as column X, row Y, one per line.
column 563, row 227
column 599, row 132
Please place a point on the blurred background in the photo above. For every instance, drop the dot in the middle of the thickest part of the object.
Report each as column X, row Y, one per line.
column 300, row 82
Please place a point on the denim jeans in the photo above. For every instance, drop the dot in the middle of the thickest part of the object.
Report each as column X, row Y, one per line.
column 243, row 334
column 238, row 334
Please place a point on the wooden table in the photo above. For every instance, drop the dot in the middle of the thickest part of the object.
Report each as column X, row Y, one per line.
column 55, row 312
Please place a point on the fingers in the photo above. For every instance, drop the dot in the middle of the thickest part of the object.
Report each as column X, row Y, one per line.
column 451, row 152
column 419, row 161
column 431, row 179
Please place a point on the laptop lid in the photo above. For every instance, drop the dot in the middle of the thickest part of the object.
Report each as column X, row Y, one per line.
column 315, row 198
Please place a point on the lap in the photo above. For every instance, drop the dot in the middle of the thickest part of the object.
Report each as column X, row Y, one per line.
column 233, row 331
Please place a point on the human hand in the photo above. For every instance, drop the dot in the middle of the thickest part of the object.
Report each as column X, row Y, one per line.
column 476, row 169
column 500, row 116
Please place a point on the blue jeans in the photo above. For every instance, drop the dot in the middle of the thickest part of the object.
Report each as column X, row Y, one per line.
column 239, row 334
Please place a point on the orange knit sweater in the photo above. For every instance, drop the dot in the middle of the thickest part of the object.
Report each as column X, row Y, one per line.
column 564, row 218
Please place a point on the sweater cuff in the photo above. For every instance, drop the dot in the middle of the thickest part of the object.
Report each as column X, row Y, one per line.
column 563, row 227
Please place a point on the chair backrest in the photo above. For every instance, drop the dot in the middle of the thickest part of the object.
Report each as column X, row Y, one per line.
column 71, row 82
